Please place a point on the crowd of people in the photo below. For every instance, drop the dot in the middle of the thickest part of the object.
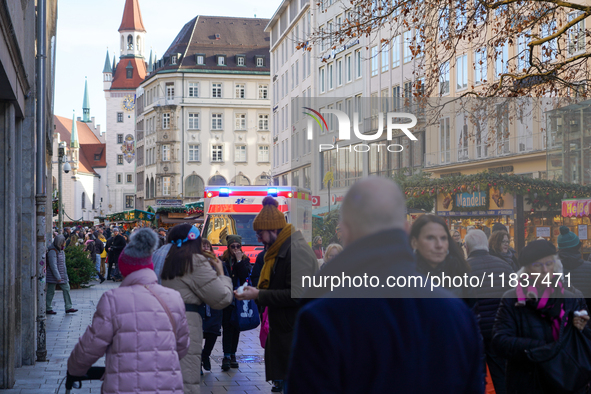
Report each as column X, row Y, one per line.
column 177, row 297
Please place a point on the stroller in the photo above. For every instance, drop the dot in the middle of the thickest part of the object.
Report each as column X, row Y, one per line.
column 94, row 373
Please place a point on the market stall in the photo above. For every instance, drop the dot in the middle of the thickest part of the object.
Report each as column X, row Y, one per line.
column 575, row 215
column 169, row 216
column 131, row 219
column 522, row 203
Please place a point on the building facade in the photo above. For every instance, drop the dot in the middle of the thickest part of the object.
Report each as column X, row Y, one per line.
column 203, row 112
column 120, row 82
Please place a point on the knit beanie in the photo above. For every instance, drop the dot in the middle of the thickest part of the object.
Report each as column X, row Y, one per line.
column 499, row 227
column 535, row 251
column 234, row 238
column 567, row 239
column 137, row 254
column 270, row 217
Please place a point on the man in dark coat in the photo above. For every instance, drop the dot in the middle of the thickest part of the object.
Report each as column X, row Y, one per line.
column 569, row 252
column 287, row 260
column 487, row 298
column 115, row 246
column 399, row 340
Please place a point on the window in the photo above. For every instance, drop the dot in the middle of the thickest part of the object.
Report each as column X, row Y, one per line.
column 216, row 121
column 194, row 153
column 166, row 152
column 339, row 72
column 307, row 179
column 462, row 135
column 374, row 60
column 170, row 91
column 358, row 63
column 221, row 60
column 576, row 34
column 240, row 153
column 549, row 49
column 217, row 153
column 83, row 200
column 260, row 61
column 359, row 108
column 264, row 122
column 173, row 60
column 297, row 72
column 329, row 76
column 119, row 160
column 129, row 178
column 481, row 133
column 119, row 178
column 443, row 24
column 240, row 90
column 263, row 92
column 444, row 140
column 119, row 117
column 165, row 121
column 397, row 104
column 240, row 122
column 129, row 73
column 193, row 121
column 407, row 43
column 396, row 52
column 385, row 58
column 348, row 70
column 194, row 186
column 502, row 132
column 119, row 138
column 193, row 89
column 522, row 52
column 461, row 16
column 240, row 60
column 480, row 66
column 263, row 156
column 501, row 62
column 462, row 72
column 166, row 186
column 444, row 79
column 216, row 90
column 322, row 81
column 93, row 201
column 200, row 60
column 129, row 201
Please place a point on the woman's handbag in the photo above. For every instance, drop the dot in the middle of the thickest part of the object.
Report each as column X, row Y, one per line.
column 566, row 363
column 245, row 315
column 264, row 328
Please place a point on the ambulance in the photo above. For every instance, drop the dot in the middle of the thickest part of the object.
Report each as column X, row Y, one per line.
column 231, row 210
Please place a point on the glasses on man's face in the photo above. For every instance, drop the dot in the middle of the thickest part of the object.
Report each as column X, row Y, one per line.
column 235, row 246
column 539, row 265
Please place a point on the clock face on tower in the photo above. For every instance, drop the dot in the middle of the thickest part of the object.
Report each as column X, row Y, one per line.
column 128, row 103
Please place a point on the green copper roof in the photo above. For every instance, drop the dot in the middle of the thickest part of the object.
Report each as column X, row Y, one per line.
column 129, row 66
column 86, row 104
column 74, row 135
column 107, row 68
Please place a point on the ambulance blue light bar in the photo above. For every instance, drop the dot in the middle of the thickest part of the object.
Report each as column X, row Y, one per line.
column 224, row 192
column 272, row 191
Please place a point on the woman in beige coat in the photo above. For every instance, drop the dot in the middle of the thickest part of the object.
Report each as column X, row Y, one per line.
column 200, row 280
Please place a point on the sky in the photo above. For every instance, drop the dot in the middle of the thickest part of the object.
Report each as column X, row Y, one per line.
column 85, row 28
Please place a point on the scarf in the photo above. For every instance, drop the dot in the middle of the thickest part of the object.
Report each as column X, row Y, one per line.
column 550, row 305
column 272, row 252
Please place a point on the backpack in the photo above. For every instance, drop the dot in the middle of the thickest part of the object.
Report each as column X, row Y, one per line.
column 100, row 247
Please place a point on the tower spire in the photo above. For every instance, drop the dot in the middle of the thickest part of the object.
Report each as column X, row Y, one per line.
column 74, row 133
column 85, row 104
column 107, row 68
column 132, row 17
column 150, row 64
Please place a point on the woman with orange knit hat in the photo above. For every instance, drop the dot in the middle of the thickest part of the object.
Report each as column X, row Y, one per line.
column 288, row 258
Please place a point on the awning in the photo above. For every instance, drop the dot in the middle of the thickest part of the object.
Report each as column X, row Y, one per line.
column 576, row 207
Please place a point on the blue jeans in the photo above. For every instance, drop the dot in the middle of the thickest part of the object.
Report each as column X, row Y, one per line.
column 97, row 264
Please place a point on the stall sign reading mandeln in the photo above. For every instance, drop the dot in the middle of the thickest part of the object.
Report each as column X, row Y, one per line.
column 477, row 203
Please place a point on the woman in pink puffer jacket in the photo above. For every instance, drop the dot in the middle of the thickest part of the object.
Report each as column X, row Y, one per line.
column 141, row 326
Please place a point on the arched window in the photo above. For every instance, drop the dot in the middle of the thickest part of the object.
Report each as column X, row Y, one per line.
column 137, row 43
column 217, row 180
column 130, row 42
column 147, row 188
column 83, row 200
column 194, row 186
column 93, row 201
column 262, row 180
column 240, row 180
column 152, row 188
column 122, row 45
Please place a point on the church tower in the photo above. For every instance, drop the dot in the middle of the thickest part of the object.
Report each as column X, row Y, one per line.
column 120, row 81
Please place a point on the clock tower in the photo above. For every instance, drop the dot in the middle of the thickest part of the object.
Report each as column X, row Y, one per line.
column 120, row 81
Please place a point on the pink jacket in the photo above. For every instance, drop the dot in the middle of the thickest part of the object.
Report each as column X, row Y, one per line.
column 133, row 329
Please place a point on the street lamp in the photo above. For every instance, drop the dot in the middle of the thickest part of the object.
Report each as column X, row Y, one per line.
column 61, row 153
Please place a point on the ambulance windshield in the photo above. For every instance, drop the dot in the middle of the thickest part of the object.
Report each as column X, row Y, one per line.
column 218, row 226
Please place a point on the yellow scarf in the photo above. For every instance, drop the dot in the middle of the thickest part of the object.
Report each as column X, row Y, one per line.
column 271, row 254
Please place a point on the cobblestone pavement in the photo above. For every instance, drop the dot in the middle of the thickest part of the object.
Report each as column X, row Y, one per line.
column 63, row 331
